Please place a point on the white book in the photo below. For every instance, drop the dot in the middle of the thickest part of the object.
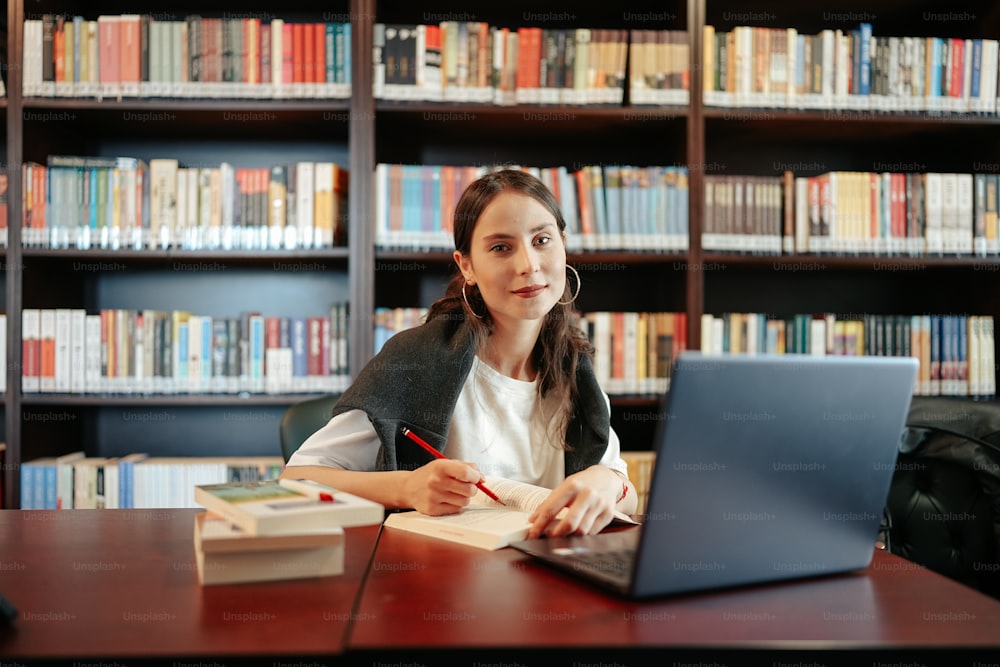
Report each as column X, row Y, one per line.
column 949, row 213
column 163, row 204
column 631, row 356
column 382, row 205
column 181, row 218
column 228, row 232
column 128, row 230
column 63, row 346
column 32, row 58
column 601, row 322
column 484, row 523
column 112, row 496
column 988, row 368
column 933, row 222
column 305, row 184
column 192, row 220
column 718, row 335
column 817, row 337
column 276, row 57
column 224, row 554
column 78, row 351
column 707, row 322
column 964, row 213
column 92, row 354
column 194, row 353
column 205, row 379
column 200, row 236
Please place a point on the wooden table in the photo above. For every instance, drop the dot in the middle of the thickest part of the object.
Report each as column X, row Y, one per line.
column 122, row 584
column 104, row 586
column 426, row 594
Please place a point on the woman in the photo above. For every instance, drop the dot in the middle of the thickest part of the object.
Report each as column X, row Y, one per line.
column 497, row 378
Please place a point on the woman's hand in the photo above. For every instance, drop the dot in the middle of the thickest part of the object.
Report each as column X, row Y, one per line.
column 589, row 497
column 441, row 486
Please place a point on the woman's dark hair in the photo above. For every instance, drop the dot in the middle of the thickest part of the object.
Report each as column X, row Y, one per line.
column 560, row 343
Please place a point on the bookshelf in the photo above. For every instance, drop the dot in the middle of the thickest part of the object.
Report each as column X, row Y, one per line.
column 368, row 129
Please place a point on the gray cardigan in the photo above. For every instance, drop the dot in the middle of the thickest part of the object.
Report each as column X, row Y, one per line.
column 414, row 381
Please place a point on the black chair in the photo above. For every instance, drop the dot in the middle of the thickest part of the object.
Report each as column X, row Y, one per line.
column 302, row 420
column 944, row 502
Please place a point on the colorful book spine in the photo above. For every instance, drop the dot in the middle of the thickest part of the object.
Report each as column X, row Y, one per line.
column 145, row 56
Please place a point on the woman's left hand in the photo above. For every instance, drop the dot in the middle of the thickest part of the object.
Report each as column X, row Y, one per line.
column 589, row 498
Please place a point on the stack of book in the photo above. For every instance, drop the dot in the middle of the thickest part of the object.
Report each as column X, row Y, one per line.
column 275, row 530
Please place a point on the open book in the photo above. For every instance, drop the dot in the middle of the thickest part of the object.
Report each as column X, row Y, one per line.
column 484, row 523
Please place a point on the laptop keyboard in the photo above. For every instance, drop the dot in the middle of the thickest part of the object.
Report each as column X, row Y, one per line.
column 614, row 564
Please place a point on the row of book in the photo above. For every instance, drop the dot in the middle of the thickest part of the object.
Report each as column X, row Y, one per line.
column 611, row 207
column 148, row 351
column 876, row 213
column 145, row 56
column 124, row 202
column 134, row 481
column 635, row 351
column 851, row 70
column 897, row 213
column 956, row 352
column 473, row 61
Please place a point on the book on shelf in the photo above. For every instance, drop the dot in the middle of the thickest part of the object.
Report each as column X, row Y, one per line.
column 659, row 67
column 226, row 554
column 148, row 351
column 114, row 203
column 634, row 351
column 475, row 62
column 484, row 523
column 743, row 213
column 640, row 473
column 160, row 56
column 956, row 352
column 890, row 214
column 133, row 481
column 614, row 207
column 277, row 507
column 848, row 71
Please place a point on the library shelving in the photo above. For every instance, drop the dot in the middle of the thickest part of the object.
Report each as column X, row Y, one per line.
column 767, row 129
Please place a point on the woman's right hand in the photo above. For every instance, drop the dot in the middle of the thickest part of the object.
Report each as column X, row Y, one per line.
column 442, row 486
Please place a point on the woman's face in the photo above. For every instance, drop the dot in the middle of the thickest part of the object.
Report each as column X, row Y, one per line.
column 517, row 258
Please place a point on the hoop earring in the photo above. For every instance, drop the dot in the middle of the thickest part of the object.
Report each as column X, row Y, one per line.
column 578, row 285
column 467, row 304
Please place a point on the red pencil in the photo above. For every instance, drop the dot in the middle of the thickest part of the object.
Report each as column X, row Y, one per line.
column 436, row 454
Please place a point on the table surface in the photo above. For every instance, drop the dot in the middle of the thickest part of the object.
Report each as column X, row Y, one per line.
column 121, row 583
column 124, row 583
column 425, row 593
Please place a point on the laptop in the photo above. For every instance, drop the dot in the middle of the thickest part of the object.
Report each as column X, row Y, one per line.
column 768, row 467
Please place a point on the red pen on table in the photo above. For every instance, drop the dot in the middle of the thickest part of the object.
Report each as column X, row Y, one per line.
column 438, row 455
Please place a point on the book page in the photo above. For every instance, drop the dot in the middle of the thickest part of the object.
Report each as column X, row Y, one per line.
column 522, row 496
column 495, row 521
column 515, row 495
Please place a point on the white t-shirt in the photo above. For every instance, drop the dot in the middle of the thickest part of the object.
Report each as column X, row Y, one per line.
column 499, row 424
